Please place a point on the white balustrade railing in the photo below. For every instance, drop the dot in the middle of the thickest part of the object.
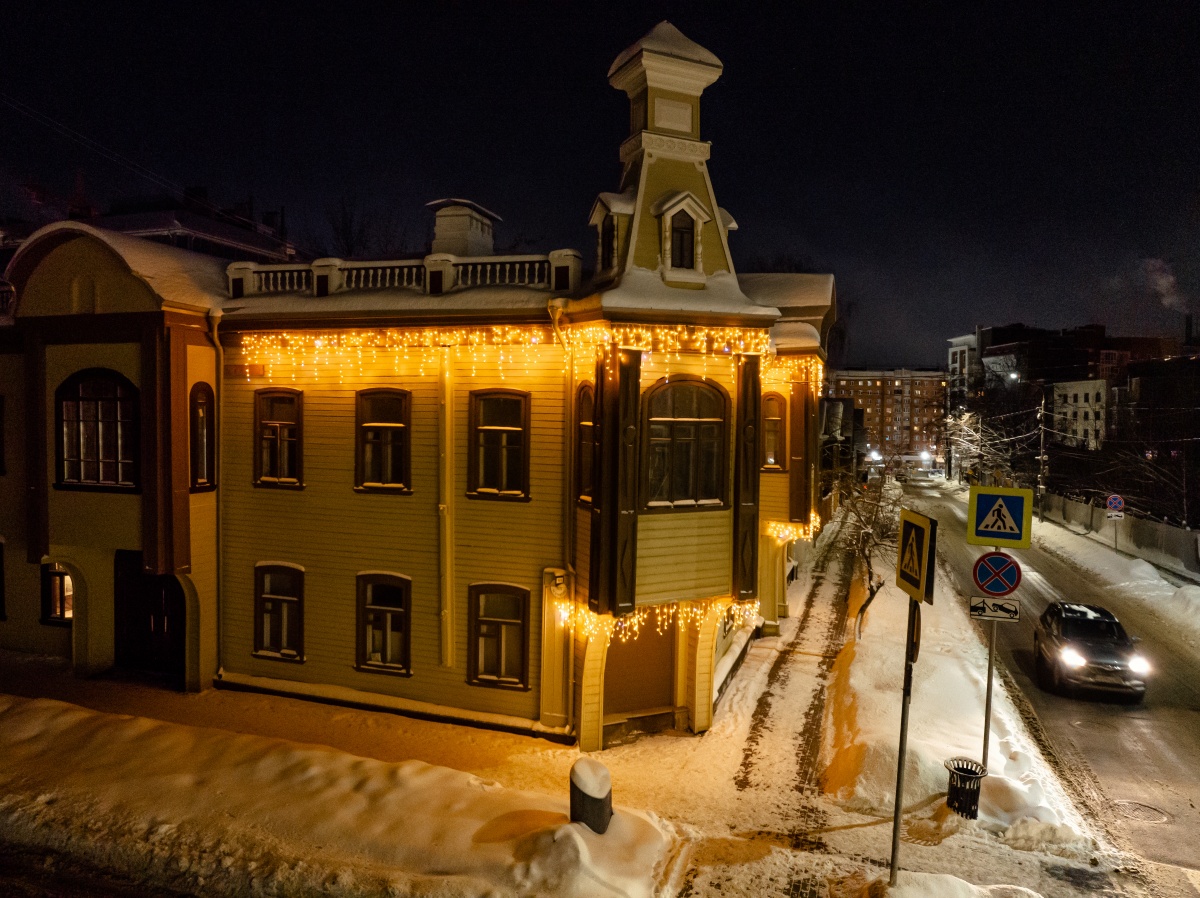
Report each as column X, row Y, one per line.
column 380, row 275
column 529, row 271
column 282, row 279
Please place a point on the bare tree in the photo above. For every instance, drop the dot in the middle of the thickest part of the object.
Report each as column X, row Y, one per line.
column 871, row 525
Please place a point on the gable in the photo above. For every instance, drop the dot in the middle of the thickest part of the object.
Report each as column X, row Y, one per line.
column 82, row 276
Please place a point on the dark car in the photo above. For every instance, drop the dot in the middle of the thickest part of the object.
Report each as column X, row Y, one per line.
column 1085, row 646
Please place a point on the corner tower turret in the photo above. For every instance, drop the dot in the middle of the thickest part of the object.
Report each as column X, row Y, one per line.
column 664, row 223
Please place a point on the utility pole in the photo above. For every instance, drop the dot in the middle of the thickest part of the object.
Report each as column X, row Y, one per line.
column 1042, row 458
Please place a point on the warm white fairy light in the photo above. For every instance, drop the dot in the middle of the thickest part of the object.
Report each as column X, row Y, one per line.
column 787, row 530
column 346, row 352
column 795, row 369
column 628, row 627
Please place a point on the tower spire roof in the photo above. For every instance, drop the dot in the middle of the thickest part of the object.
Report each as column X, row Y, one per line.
column 671, row 48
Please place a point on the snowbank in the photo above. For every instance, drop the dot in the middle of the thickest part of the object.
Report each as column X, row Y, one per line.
column 945, row 720
column 941, row 885
column 196, row 808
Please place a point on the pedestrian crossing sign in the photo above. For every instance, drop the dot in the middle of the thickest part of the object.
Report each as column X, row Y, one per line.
column 997, row 516
column 916, row 555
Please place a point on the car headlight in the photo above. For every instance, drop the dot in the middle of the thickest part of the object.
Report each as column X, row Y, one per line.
column 1072, row 658
column 1139, row 665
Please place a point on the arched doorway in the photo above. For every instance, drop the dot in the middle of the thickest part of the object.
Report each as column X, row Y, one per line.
column 150, row 617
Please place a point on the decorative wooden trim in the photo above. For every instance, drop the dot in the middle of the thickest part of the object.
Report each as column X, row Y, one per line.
column 473, row 489
column 745, row 481
column 799, row 482
column 37, row 477
column 177, row 465
column 474, row 591
column 624, row 558
column 580, row 449
column 404, row 488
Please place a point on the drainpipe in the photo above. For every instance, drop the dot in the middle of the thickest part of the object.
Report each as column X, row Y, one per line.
column 214, row 323
column 554, row 309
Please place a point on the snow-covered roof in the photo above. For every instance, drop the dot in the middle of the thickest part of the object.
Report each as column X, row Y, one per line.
column 620, row 203
column 788, row 290
column 666, row 40
column 435, row 205
column 642, row 294
column 177, row 277
column 727, row 221
column 795, row 336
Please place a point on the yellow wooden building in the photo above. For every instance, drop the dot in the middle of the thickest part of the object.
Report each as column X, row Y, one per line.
column 468, row 486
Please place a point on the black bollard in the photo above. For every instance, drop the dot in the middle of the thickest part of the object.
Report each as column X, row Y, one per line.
column 591, row 795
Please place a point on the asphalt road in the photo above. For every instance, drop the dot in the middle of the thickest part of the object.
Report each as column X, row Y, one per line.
column 1145, row 757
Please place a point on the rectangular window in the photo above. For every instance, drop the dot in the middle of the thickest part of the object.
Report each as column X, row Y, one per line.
column 384, row 443
column 498, row 447
column 774, row 432
column 279, row 612
column 202, row 414
column 278, row 427
column 384, row 601
column 97, row 418
column 58, row 596
column 498, row 653
column 683, row 241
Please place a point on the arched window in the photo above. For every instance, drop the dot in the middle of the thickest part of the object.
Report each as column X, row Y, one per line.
column 58, row 596
column 203, row 433
column 384, row 603
column 97, row 412
column 585, row 441
column 683, row 240
column 774, row 432
column 383, row 449
column 687, row 425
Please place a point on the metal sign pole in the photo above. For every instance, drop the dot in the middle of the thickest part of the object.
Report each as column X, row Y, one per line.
column 909, row 659
column 987, row 708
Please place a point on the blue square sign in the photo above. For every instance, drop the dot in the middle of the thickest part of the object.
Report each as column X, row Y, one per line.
column 998, row 516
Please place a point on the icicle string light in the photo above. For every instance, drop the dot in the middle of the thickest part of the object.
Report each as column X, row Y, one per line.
column 787, row 531
column 795, row 369
column 627, row 628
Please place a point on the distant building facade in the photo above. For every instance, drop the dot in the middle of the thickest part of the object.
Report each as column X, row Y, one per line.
column 1080, row 413
column 903, row 408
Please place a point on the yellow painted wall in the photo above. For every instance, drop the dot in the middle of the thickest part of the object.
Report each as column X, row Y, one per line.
column 688, row 555
column 335, row 532
column 662, row 178
column 201, row 366
column 691, row 100
column 773, row 497
column 83, row 276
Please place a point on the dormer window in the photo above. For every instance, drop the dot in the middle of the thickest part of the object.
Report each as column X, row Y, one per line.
column 681, row 218
column 608, row 242
column 683, row 240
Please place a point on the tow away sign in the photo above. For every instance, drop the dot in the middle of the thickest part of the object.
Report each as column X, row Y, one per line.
column 916, row 555
column 1000, row 517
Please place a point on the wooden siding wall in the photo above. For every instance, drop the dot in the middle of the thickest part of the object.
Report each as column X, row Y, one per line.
column 334, row 532
column 583, row 550
column 773, row 497
column 684, row 556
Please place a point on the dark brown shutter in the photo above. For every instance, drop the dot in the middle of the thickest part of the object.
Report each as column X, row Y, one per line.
column 615, row 471
column 745, row 479
column 799, row 483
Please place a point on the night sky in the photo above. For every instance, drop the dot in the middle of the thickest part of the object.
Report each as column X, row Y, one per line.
column 952, row 164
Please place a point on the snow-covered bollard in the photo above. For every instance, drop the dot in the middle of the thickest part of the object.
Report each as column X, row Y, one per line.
column 591, row 795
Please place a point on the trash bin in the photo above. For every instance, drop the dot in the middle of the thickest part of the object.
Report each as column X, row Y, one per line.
column 963, row 795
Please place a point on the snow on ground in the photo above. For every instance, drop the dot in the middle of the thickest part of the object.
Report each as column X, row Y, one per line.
column 1176, row 607
column 204, row 809
column 735, row 811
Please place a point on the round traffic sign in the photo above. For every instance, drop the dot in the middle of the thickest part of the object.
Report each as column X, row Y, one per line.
column 996, row 573
column 1115, row 503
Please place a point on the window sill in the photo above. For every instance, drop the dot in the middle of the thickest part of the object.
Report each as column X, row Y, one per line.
column 383, row 669
column 383, row 488
column 688, row 276
column 98, row 488
column 498, row 684
column 274, row 484
column 670, row 508
column 275, row 656
column 774, row 469
column 494, row 496
column 205, row 488
column 56, row 622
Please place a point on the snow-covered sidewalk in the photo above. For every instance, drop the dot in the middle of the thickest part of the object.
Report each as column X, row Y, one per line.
column 788, row 794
